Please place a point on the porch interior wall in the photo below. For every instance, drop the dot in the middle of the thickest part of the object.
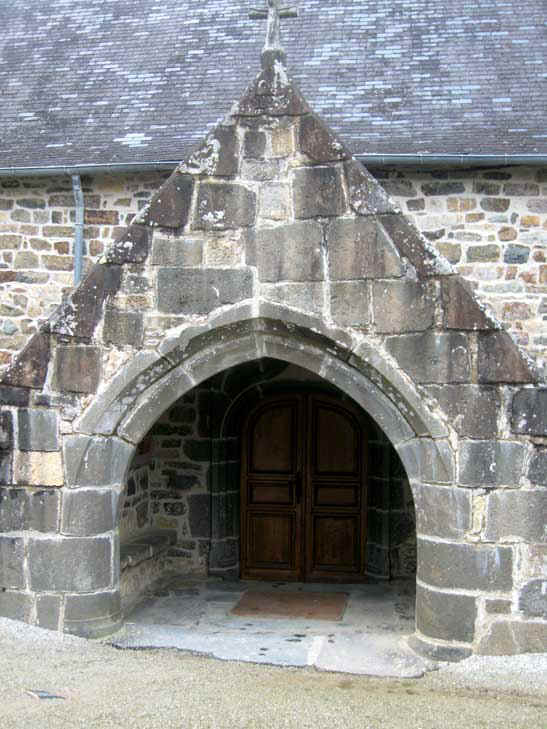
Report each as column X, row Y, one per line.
column 185, row 479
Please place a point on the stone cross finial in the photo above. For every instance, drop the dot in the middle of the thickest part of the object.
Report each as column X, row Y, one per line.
column 274, row 13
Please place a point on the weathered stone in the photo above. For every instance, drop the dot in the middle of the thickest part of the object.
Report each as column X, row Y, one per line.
column 87, row 512
column 16, row 605
column 529, row 412
column 12, row 556
column 30, row 366
column 465, row 566
column 141, row 417
column 358, row 248
column 532, row 599
column 184, row 251
column 516, row 254
column 170, row 206
column 377, row 560
column 95, row 461
column 446, row 616
column 254, row 144
column 217, row 156
column 260, row 170
column 486, row 463
column 537, row 206
column 91, row 607
column 497, row 606
column 274, row 202
column 403, row 306
column 510, row 637
column 437, row 651
column 520, row 188
column 366, row 196
column 241, row 378
column 308, row 297
column 225, row 515
column 122, row 328
column 83, row 310
column 199, row 519
column 500, row 359
column 472, row 410
column 441, row 187
column 272, row 93
column 38, row 430
column 410, row 245
column 537, row 470
column 318, row 192
column 101, row 217
column 443, row 512
column 17, row 396
column 6, row 430
column 70, row 565
column 486, row 188
column 222, row 206
column 350, row 302
column 290, row 252
column 29, row 509
column 378, row 523
column 399, row 187
column 48, row 611
column 318, row 142
column 483, row 254
column 516, row 515
column 131, row 247
column 429, row 460
column 461, row 309
column 199, row 291
column 77, row 369
column 34, row 468
column 495, row 205
column 224, row 554
column 224, row 477
column 431, row 357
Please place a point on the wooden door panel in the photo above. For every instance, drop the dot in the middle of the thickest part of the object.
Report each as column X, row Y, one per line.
column 335, row 495
column 336, row 544
column 271, row 493
column 335, row 507
column 335, row 444
column 271, row 541
column 273, row 442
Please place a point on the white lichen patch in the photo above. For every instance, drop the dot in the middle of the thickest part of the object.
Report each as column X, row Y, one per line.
column 205, row 160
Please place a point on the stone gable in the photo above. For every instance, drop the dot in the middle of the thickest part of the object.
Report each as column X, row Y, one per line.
column 271, row 243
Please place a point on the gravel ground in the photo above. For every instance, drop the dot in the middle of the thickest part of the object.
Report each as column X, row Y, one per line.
column 106, row 687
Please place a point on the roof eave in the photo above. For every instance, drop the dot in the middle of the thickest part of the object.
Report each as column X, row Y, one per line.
column 369, row 160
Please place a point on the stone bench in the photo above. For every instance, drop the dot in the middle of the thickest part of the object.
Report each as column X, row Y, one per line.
column 142, row 561
column 146, row 546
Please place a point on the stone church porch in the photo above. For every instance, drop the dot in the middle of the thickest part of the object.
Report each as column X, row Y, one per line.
column 180, row 513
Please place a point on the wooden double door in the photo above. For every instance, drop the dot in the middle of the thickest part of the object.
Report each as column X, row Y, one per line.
column 303, row 490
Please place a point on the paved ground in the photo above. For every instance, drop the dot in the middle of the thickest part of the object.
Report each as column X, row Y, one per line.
column 104, row 687
column 195, row 615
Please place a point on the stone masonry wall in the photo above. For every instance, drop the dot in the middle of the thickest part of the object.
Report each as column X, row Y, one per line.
column 37, row 242
column 490, row 224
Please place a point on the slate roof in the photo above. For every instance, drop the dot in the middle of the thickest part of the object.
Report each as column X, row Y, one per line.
column 113, row 81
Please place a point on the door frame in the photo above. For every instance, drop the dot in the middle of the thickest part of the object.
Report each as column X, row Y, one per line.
column 305, row 508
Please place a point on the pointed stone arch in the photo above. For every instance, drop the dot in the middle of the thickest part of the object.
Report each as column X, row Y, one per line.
column 271, row 241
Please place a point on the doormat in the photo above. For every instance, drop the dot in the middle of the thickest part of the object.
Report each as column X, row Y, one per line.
column 308, row 605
